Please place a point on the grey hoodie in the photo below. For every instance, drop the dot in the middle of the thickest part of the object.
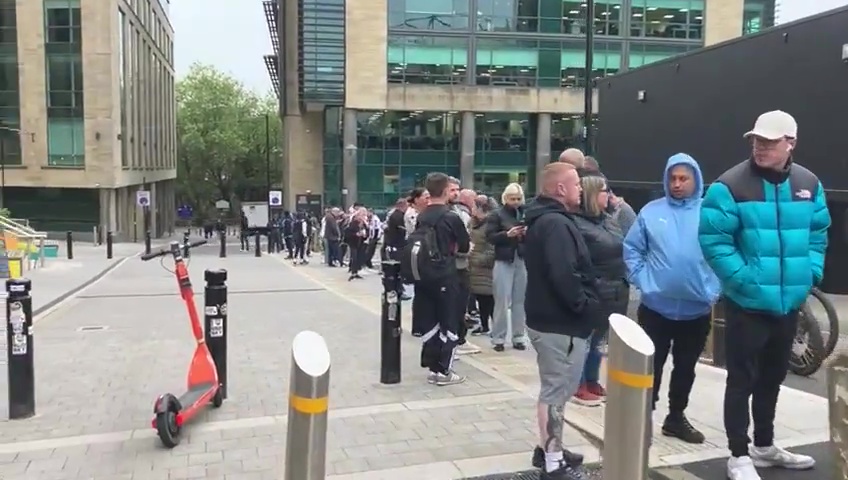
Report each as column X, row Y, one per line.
column 624, row 216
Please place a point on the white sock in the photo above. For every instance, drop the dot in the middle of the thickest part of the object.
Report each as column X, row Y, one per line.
column 553, row 461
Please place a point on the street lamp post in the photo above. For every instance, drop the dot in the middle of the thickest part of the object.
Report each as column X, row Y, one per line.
column 587, row 90
column 268, row 161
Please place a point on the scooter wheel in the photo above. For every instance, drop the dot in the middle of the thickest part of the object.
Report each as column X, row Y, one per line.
column 167, row 428
column 218, row 399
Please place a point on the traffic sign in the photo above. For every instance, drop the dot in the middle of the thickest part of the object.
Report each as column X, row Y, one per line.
column 222, row 205
column 142, row 198
column 275, row 198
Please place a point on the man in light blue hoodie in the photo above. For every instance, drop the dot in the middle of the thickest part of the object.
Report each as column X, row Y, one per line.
column 664, row 261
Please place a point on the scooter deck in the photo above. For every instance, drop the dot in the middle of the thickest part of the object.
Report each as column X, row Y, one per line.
column 191, row 396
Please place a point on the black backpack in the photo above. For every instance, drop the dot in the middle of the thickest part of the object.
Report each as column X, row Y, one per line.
column 421, row 260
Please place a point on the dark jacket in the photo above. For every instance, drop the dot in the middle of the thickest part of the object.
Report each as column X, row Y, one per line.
column 481, row 260
column 562, row 290
column 605, row 243
column 332, row 232
column 395, row 234
column 497, row 224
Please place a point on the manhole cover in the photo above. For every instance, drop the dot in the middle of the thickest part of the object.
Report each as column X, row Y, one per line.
column 592, row 472
column 92, row 328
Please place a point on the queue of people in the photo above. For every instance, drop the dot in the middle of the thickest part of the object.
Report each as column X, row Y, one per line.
column 551, row 270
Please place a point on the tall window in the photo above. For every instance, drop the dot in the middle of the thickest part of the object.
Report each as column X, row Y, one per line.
column 122, row 46
column 63, row 46
column 10, row 133
column 757, row 15
column 502, row 153
column 679, row 19
column 429, row 14
column 607, row 17
column 429, row 60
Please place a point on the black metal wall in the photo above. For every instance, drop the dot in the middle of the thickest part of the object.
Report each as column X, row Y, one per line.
column 702, row 103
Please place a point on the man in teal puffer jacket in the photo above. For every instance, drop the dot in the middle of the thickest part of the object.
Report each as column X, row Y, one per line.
column 763, row 231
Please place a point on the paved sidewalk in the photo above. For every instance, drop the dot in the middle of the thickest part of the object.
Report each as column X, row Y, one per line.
column 95, row 389
column 801, row 417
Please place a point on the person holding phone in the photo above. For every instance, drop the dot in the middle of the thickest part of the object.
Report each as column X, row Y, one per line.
column 505, row 230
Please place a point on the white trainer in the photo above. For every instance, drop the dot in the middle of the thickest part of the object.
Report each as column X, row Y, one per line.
column 766, row 457
column 741, row 468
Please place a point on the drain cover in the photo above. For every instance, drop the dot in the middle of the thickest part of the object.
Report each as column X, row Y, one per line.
column 92, row 328
column 592, row 471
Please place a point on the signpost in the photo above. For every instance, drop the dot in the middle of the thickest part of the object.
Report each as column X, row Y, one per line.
column 142, row 199
column 222, row 205
column 275, row 198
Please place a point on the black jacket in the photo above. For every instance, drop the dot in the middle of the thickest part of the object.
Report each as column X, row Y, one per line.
column 605, row 243
column 395, row 234
column 562, row 287
column 497, row 224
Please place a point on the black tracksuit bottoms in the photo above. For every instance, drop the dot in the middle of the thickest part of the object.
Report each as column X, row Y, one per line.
column 685, row 340
column 434, row 319
column 758, row 348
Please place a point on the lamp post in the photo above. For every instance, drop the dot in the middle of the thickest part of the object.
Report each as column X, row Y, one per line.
column 268, row 161
column 587, row 90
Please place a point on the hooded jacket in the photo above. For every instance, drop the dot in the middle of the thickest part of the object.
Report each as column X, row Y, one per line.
column 663, row 256
column 765, row 235
column 561, row 295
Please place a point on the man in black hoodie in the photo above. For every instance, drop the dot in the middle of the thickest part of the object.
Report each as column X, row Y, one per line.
column 561, row 305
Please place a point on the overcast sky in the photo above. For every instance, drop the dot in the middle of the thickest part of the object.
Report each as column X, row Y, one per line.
column 230, row 34
column 233, row 36
column 789, row 10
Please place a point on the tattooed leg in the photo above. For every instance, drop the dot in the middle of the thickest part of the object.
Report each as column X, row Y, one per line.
column 553, row 428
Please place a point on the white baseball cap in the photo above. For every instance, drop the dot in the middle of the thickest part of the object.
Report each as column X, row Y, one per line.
column 774, row 125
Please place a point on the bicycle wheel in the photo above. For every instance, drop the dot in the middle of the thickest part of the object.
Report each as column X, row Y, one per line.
column 831, row 335
column 808, row 347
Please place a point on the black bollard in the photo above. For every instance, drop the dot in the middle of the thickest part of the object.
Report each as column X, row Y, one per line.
column 223, row 237
column 269, row 238
column 390, row 327
column 186, row 249
column 215, row 318
column 147, row 242
column 69, row 244
column 19, row 350
column 258, row 252
column 109, row 245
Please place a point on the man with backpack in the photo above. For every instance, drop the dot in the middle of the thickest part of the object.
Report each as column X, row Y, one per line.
column 429, row 261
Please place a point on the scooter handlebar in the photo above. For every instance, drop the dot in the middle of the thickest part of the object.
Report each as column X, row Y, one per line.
column 165, row 251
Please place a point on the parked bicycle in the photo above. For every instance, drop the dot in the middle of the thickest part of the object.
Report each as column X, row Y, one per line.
column 813, row 344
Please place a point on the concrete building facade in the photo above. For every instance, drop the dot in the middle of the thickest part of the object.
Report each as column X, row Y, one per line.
column 90, row 115
column 374, row 94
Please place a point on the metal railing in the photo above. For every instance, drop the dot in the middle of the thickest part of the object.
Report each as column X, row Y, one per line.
column 30, row 236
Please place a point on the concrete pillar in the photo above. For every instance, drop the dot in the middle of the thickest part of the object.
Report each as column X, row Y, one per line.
column 466, row 158
column 349, row 160
column 543, row 146
column 108, row 209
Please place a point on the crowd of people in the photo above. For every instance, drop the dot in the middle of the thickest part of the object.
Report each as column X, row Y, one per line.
column 552, row 269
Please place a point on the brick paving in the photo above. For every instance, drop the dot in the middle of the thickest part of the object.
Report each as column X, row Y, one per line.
column 95, row 388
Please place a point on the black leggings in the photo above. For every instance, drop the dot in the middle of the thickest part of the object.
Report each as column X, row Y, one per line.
column 486, row 308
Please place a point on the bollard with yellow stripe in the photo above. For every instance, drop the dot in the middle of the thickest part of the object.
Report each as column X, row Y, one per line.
column 309, row 388
column 630, row 385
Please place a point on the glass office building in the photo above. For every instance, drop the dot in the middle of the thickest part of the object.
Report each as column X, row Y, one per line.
column 486, row 90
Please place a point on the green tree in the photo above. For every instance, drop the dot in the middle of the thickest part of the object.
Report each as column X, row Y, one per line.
column 222, row 140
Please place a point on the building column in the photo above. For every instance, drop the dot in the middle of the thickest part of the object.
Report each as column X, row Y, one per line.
column 466, row 159
column 349, row 161
column 543, row 146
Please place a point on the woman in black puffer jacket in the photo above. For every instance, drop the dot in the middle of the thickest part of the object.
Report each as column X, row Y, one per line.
column 604, row 240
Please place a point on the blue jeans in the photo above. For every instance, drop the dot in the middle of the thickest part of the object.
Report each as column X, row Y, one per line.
column 592, row 367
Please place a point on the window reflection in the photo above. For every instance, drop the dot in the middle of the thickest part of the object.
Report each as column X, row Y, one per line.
column 756, row 16
column 527, row 63
column 428, row 15
column 567, row 132
column 502, row 154
column 646, row 53
column 427, row 60
column 607, row 17
column 680, row 19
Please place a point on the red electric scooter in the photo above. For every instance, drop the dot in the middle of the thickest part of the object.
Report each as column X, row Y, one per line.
column 203, row 387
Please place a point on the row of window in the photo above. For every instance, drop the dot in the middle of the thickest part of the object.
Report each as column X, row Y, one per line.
column 679, row 19
column 508, row 62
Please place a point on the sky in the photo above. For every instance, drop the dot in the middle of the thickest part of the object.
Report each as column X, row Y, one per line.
column 789, row 10
column 230, row 34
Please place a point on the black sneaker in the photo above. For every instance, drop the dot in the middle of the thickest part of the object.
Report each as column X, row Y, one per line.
column 564, row 472
column 571, row 458
column 499, row 348
column 678, row 426
column 519, row 346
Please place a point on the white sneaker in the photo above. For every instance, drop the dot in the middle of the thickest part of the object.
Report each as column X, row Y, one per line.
column 431, row 377
column 451, row 378
column 765, row 457
column 741, row 468
column 467, row 349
